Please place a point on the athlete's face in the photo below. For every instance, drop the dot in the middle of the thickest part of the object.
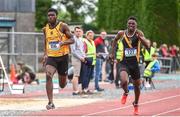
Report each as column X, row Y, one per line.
column 131, row 25
column 52, row 17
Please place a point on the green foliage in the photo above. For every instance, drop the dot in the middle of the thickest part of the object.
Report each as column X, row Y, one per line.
column 78, row 9
column 41, row 17
column 158, row 19
column 161, row 23
column 64, row 16
column 87, row 27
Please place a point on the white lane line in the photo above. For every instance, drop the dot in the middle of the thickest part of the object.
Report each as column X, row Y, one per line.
column 147, row 102
column 167, row 112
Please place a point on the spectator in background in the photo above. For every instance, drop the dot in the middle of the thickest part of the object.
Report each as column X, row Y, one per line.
column 78, row 56
column 104, row 64
column 173, row 51
column 26, row 74
column 70, row 73
column 111, row 64
column 154, row 45
column 164, row 50
column 119, row 58
column 152, row 67
column 87, row 67
column 173, row 54
column 178, row 51
column 100, row 54
column 147, row 53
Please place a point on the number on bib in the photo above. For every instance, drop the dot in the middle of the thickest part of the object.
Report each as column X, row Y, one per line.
column 129, row 52
column 54, row 45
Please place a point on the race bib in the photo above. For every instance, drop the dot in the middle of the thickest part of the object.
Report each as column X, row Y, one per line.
column 129, row 52
column 54, row 45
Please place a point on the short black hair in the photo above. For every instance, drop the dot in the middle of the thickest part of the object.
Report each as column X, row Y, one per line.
column 53, row 10
column 132, row 18
column 77, row 27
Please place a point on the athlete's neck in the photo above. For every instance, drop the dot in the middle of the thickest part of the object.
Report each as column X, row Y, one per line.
column 52, row 25
column 130, row 33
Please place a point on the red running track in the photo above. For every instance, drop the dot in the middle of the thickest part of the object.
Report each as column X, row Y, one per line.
column 157, row 103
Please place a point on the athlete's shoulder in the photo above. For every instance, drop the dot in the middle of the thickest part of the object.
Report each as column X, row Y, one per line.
column 63, row 24
column 139, row 32
column 121, row 32
column 64, row 27
column 45, row 27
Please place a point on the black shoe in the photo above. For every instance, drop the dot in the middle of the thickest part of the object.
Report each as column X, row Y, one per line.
column 117, row 87
column 75, row 93
column 99, row 89
column 89, row 92
column 50, row 106
column 111, row 81
column 106, row 80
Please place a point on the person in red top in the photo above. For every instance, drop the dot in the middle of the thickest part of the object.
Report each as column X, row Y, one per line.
column 173, row 51
column 173, row 54
column 164, row 50
column 100, row 50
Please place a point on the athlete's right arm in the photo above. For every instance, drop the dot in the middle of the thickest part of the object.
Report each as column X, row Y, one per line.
column 117, row 37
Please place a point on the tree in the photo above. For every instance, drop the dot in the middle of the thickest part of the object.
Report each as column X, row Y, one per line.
column 161, row 21
column 157, row 18
column 41, row 17
column 78, row 9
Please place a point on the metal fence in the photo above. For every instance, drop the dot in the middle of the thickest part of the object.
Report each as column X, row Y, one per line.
column 22, row 46
column 28, row 47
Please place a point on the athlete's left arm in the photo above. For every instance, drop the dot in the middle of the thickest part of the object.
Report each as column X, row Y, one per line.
column 141, row 37
column 65, row 29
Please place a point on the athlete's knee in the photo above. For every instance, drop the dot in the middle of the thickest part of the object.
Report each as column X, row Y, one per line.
column 50, row 70
column 137, row 87
column 49, row 74
column 137, row 83
column 124, row 82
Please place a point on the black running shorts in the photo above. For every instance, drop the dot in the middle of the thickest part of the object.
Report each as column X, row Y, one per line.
column 131, row 67
column 60, row 63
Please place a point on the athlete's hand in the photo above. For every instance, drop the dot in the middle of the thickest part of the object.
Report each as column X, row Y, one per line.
column 61, row 43
column 44, row 60
column 111, row 56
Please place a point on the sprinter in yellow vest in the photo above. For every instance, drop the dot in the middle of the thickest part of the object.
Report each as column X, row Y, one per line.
column 57, row 39
column 87, row 67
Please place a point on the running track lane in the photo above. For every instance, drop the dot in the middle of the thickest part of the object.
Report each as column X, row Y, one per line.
column 156, row 103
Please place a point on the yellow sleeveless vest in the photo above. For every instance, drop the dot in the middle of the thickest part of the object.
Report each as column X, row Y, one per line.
column 147, row 55
column 91, row 50
column 53, row 39
column 120, row 51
